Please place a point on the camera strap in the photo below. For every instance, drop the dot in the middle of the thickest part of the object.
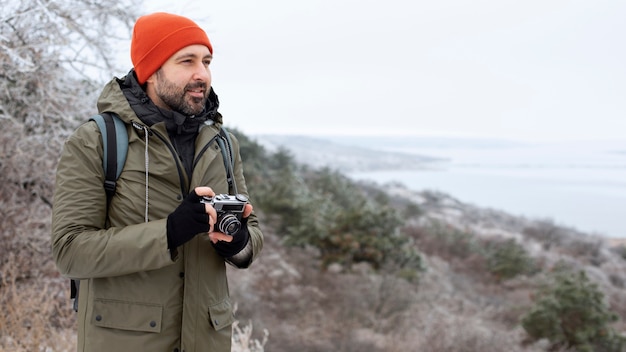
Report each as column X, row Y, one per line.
column 229, row 159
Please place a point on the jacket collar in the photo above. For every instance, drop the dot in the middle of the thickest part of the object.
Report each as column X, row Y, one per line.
column 175, row 122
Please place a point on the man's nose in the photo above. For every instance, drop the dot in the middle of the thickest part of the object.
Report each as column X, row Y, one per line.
column 202, row 73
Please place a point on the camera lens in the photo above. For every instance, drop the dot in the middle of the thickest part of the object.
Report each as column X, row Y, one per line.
column 229, row 224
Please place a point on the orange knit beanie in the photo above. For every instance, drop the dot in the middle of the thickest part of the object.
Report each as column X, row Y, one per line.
column 158, row 36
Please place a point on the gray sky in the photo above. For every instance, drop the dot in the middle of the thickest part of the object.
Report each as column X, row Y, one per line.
column 533, row 70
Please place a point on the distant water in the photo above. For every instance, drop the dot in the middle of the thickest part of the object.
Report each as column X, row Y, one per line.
column 579, row 185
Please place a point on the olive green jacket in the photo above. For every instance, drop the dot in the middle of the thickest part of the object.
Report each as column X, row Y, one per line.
column 135, row 295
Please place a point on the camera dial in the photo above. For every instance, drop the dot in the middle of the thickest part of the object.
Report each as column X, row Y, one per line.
column 241, row 197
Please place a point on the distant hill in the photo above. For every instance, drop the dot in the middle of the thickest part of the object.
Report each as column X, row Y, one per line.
column 347, row 155
column 408, row 142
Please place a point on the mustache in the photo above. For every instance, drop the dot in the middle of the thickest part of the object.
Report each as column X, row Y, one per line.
column 196, row 85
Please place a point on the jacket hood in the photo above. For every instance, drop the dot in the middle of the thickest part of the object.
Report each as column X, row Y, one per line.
column 127, row 98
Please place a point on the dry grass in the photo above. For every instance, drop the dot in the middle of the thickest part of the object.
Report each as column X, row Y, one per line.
column 36, row 315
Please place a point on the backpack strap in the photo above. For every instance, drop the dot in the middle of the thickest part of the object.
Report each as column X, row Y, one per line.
column 74, row 286
column 115, row 145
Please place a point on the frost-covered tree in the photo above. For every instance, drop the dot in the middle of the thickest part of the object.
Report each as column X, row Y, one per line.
column 54, row 57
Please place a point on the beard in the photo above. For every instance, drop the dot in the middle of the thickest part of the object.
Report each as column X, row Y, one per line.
column 177, row 99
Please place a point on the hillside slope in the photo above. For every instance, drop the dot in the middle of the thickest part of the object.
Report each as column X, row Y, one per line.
column 456, row 306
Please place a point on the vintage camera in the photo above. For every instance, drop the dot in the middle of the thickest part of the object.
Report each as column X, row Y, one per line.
column 229, row 211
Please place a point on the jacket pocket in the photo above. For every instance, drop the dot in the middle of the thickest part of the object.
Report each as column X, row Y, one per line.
column 221, row 315
column 127, row 315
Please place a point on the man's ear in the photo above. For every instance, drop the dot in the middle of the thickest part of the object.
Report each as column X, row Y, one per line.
column 152, row 78
column 149, row 87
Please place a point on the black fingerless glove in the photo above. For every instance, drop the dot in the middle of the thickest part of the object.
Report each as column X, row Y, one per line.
column 240, row 240
column 188, row 220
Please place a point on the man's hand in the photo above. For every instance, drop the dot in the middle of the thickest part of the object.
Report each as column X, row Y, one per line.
column 190, row 218
column 207, row 192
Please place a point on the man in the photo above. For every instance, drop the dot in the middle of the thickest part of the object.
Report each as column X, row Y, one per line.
column 151, row 266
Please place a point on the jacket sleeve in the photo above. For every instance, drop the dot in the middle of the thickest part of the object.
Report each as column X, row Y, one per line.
column 255, row 244
column 81, row 246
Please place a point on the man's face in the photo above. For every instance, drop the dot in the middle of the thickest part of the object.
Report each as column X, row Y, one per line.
column 183, row 82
